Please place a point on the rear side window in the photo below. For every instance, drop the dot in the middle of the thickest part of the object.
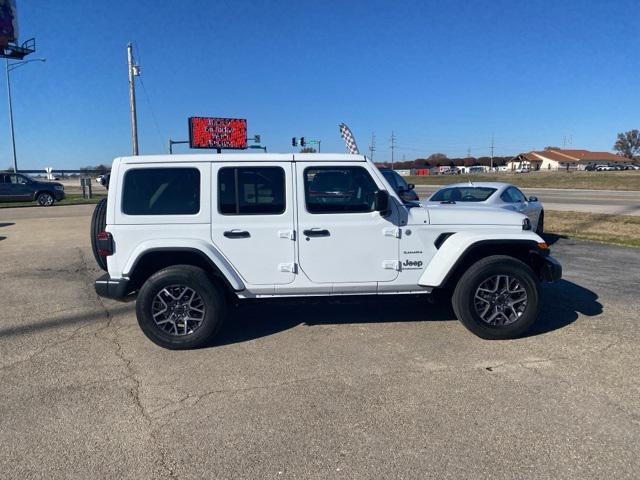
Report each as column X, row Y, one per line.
column 251, row 191
column 161, row 191
column 339, row 190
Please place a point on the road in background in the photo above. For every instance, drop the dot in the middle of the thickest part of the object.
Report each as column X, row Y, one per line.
column 387, row 387
column 592, row 201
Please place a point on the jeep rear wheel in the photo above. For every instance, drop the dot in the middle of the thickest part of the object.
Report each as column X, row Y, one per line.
column 179, row 307
column 498, row 297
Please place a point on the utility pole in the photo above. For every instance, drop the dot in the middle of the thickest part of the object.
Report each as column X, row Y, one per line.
column 372, row 146
column 393, row 147
column 469, row 152
column 134, row 71
column 492, row 152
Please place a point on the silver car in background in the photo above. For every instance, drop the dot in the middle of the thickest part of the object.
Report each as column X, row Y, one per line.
column 493, row 194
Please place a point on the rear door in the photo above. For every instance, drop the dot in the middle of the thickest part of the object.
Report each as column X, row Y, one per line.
column 342, row 238
column 252, row 219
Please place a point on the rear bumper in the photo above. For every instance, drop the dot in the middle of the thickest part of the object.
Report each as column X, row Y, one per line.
column 116, row 288
column 551, row 270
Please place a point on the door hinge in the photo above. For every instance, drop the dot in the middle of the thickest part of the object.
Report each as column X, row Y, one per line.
column 391, row 265
column 290, row 234
column 392, row 232
column 287, row 267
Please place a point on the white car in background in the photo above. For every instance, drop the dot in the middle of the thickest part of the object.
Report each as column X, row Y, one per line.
column 492, row 194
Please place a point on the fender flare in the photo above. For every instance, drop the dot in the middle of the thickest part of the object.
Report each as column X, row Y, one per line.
column 455, row 247
column 200, row 247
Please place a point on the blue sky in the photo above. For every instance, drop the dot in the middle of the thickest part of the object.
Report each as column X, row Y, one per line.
column 444, row 76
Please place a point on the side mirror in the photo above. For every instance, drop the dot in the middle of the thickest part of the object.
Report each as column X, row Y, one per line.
column 533, row 199
column 381, row 201
column 411, row 186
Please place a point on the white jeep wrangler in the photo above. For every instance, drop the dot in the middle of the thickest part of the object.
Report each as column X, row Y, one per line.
column 189, row 233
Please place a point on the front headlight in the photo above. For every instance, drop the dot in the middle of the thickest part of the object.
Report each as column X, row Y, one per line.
column 59, row 187
column 526, row 224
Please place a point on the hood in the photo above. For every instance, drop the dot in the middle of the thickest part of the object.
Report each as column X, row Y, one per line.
column 457, row 214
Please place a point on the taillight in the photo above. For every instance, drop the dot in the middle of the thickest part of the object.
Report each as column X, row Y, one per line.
column 104, row 242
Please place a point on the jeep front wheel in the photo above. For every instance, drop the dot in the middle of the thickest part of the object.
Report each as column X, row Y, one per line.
column 497, row 298
column 180, row 308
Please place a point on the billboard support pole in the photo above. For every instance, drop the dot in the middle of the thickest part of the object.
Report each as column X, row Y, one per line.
column 13, row 137
column 133, row 72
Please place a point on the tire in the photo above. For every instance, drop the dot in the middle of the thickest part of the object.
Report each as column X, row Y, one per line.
column 477, row 278
column 98, row 224
column 175, row 333
column 45, row 199
column 540, row 226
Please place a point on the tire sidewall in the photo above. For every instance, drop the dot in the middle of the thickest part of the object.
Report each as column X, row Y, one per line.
column 191, row 277
column 465, row 292
column 42, row 196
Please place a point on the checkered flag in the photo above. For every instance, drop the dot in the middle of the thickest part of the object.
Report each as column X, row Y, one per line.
column 349, row 140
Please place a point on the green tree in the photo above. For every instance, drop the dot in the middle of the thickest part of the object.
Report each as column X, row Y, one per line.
column 628, row 144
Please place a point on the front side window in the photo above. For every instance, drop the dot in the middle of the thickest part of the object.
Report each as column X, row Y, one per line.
column 339, row 190
column 161, row 191
column 251, row 191
column 19, row 179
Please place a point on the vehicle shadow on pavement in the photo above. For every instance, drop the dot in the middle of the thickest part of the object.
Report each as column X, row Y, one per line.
column 562, row 302
column 253, row 320
column 64, row 321
column 6, row 224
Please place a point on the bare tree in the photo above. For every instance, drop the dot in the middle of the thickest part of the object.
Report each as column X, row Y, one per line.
column 628, row 144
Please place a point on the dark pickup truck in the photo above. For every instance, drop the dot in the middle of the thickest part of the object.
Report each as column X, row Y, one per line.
column 15, row 187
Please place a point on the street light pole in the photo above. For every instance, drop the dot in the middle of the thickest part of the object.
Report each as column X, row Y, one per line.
column 134, row 71
column 13, row 136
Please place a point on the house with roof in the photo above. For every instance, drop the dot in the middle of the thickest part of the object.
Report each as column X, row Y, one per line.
column 561, row 159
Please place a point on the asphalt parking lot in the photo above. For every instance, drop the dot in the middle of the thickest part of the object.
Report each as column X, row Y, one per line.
column 382, row 388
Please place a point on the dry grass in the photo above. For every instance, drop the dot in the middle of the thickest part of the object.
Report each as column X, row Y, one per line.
column 624, row 180
column 614, row 229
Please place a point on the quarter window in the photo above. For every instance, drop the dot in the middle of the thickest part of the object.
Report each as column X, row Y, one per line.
column 161, row 191
column 339, row 190
column 251, row 191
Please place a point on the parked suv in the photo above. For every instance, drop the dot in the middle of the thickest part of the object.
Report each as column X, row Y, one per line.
column 188, row 234
column 15, row 187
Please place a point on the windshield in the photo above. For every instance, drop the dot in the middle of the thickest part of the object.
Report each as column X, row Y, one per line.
column 463, row 194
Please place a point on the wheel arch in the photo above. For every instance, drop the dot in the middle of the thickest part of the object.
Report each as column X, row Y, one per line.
column 452, row 259
column 154, row 259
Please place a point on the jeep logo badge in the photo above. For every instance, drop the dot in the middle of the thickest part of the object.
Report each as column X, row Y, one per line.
column 412, row 264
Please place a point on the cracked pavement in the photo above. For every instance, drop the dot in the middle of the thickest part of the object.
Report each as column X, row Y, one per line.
column 335, row 388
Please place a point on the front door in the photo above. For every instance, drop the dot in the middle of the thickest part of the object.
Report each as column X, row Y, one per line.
column 342, row 238
column 252, row 221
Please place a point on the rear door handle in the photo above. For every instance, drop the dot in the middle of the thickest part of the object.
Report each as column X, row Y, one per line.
column 236, row 234
column 316, row 232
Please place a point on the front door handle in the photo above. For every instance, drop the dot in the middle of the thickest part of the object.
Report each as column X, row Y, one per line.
column 236, row 234
column 316, row 232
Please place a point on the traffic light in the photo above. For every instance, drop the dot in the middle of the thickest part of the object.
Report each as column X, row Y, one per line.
column 294, row 142
column 303, row 142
